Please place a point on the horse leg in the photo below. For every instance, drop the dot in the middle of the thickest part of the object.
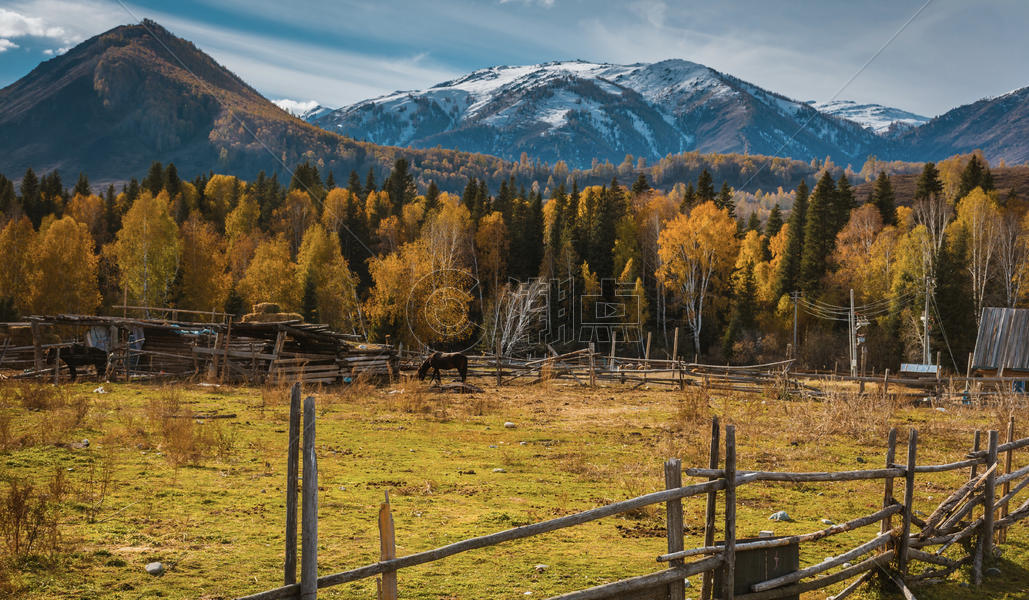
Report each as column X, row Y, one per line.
column 463, row 370
column 71, row 369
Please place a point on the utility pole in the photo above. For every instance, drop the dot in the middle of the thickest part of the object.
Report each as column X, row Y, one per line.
column 796, row 296
column 925, row 324
column 852, row 338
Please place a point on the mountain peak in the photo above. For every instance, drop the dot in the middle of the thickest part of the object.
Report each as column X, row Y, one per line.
column 578, row 111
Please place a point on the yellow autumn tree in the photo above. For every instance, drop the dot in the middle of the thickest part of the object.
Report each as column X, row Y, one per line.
column 321, row 263
column 220, row 195
column 697, row 251
column 205, row 280
column 492, row 245
column 294, row 217
column 17, row 244
column 64, row 277
column 88, row 210
column 242, row 235
column 147, row 250
column 271, row 275
column 854, row 246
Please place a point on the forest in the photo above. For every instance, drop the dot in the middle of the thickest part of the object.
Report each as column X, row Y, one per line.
column 399, row 258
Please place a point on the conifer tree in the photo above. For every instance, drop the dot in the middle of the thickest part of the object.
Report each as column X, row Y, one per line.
column 705, row 188
column 789, row 268
column 154, row 180
column 975, row 174
column 754, row 222
column 306, row 178
column 640, row 185
column 689, row 198
column 309, row 302
column 400, row 185
column 330, row 181
column 844, row 203
column 774, row 223
column 883, row 199
column 819, row 234
column 431, row 197
column 369, row 181
column 929, row 183
column 725, row 199
column 172, row 182
column 82, row 186
column 354, row 185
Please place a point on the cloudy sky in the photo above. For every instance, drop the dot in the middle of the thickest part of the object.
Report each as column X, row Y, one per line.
column 339, row 51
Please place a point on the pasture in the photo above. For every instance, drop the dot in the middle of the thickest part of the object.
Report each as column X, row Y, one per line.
column 205, row 496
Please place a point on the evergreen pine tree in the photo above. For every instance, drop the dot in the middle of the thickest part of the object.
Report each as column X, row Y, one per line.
column 844, row 203
column 82, row 186
column 9, row 206
column 883, row 199
column 640, row 185
column 975, row 174
column 369, row 181
column 929, row 183
column 431, row 197
column 172, row 182
column 705, row 187
column 32, row 198
column 774, row 223
column 689, row 198
column 754, row 222
column 725, row 199
column 309, row 304
column 819, row 234
column 154, row 180
column 953, row 298
column 400, row 185
column 354, row 185
column 789, row 267
column 306, row 178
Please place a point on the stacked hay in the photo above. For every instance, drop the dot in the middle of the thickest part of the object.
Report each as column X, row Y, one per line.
column 269, row 312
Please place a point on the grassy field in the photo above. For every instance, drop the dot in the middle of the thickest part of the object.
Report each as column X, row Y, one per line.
column 206, row 497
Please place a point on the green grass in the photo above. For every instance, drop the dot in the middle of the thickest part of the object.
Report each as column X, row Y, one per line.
column 218, row 524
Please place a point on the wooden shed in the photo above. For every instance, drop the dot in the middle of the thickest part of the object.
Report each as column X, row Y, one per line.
column 1002, row 346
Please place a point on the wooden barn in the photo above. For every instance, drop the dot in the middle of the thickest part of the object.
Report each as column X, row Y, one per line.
column 1002, row 346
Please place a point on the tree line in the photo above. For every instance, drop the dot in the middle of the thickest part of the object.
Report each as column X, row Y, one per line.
column 361, row 254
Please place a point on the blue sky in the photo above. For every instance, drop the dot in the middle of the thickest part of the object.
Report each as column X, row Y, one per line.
column 338, row 52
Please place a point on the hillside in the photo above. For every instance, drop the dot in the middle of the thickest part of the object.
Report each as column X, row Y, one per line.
column 120, row 100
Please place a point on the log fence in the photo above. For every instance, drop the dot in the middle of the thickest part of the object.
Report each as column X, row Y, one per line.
column 902, row 552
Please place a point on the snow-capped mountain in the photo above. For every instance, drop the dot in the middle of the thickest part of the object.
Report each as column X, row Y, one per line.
column 308, row 111
column 883, row 120
column 578, row 111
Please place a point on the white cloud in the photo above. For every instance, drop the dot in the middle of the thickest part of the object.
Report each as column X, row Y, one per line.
column 6, row 44
column 13, row 24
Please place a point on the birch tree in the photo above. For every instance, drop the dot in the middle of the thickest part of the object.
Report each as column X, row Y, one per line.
column 696, row 251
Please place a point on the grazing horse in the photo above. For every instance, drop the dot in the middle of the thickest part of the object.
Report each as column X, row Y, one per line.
column 79, row 355
column 444, row 360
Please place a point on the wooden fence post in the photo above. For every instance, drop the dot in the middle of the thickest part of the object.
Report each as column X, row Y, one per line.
column 309, row 542
column 499, row 372
column 976, row 444
column 611, row 361
column 1002, row 535
column 646, row 358
column 712, row 500
column 593, row 366
column 37, row 349
column 57, row 365
column 990, row 496
column 891, row 452
column 292, row 476
column 886, row 383
column 387, row 551
column 674, row 524
column 729, row 591
column 909, row 498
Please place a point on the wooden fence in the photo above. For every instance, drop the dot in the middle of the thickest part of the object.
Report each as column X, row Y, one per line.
column 891, row 550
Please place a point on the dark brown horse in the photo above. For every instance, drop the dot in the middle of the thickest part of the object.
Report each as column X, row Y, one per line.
column 444, row 360
column 79, row 355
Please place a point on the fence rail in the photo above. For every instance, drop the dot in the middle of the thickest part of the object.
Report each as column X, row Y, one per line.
column 895, row 547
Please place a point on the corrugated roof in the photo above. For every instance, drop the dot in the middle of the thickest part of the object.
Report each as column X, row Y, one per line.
column 1003, row 340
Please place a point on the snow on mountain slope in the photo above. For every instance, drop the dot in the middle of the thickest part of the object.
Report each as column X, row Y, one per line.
column 578, row 111
column 881, row 119
column 308, row 111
